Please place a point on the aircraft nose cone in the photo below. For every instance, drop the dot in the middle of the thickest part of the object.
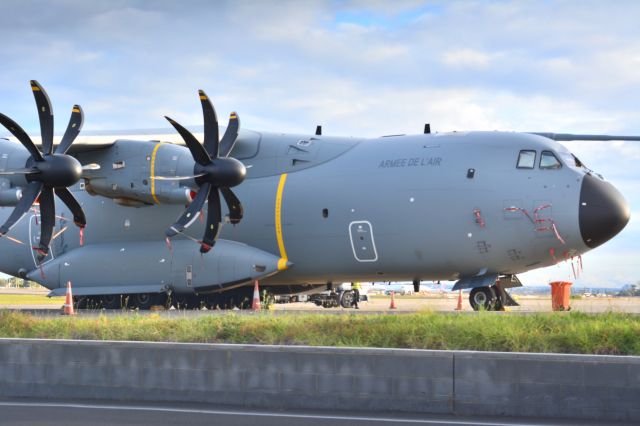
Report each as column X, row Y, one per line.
column 603, row 211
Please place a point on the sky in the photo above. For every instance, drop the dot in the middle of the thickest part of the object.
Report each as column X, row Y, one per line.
column 359, row 68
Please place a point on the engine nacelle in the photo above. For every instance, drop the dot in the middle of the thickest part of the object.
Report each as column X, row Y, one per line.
column 12, row 157
column 124, row 197
column 128, row 172
column 10, row 197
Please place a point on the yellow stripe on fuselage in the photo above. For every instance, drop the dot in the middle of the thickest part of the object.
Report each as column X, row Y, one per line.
column 282, row 263
column 153, row 171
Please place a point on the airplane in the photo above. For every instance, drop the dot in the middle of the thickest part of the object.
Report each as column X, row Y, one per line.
column 299, row 212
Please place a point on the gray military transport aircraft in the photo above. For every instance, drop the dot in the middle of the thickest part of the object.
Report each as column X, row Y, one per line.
column 305, row 211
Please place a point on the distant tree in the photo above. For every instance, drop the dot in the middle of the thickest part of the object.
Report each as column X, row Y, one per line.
column 630, row 290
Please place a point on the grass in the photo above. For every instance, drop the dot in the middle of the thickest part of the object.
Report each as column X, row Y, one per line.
column 610, row 333
column 30, row 299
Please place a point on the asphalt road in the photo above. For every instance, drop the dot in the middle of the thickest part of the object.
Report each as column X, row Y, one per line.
column 35, row 413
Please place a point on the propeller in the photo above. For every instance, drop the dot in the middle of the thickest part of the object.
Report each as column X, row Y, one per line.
column 214, row 172
column 47, row 172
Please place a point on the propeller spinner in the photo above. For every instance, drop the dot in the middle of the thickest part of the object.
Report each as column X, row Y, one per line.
column 47, row 172
column 214, row 171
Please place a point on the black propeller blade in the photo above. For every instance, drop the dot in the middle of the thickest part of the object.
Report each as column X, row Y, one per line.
column 230, row 135
column 214, row 217
column 73, row 129
column 29, row 196
column 191, row 213
column 48, row 173
column 214, row 171
column 45, row 113
column 72, row 204
column 47, row 220
column 22, row 136
column 210, row 118
column 235, row 208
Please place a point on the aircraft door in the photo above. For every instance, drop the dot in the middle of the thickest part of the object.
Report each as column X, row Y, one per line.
column 362, row 241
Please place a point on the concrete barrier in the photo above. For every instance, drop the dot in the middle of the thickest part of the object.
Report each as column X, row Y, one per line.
column 547, row 385
column 483, row 383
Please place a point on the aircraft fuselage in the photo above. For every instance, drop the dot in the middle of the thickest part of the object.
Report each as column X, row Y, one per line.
column 426, row 207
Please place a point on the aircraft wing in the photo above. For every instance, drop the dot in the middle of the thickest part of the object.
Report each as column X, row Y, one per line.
column 93, row 140
column 576, row 137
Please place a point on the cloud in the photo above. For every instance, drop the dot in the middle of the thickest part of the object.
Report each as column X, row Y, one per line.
column 466, row 58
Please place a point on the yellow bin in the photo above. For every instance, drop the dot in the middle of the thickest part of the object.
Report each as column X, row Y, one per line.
column 560, row 295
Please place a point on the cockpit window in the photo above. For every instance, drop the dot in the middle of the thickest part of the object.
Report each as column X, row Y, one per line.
column 578, row 162
column 570, row 160
column 526, row 159
column 549, row 161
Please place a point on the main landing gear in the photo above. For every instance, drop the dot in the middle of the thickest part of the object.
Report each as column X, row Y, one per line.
column 142, row 301
column 493, row 298
column 239, row 298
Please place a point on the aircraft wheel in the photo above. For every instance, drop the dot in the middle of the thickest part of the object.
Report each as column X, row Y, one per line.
column 111, row 301
column 482, row 297
column 346, row 301
column 144, row 301
column 141, row 301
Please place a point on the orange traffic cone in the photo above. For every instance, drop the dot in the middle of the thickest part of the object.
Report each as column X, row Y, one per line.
column 68, row 302
column 255, row 306
column 393, row 300
column 459, row 307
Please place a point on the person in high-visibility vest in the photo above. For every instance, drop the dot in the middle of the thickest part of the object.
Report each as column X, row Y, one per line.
column 355, row 287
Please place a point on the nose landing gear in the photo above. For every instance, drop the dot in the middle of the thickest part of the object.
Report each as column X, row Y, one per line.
column 495, row 297
column 483, row 298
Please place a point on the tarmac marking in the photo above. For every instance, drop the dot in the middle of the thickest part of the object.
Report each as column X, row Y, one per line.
column 259, row 414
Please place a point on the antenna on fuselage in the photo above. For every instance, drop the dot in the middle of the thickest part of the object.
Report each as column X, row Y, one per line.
column 427, row 128
column 318, row 130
